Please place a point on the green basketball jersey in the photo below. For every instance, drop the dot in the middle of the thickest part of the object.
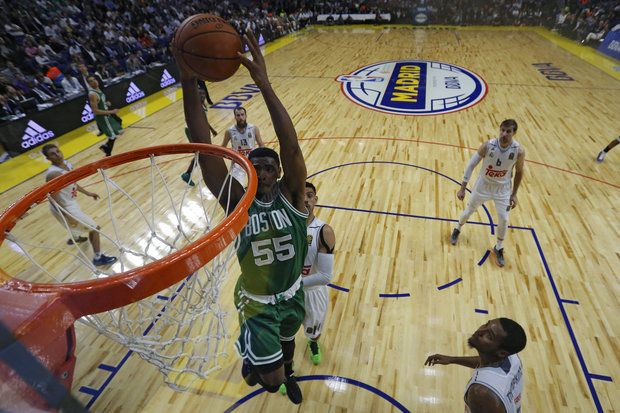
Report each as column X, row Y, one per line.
column 272, row 246
column 102, row 104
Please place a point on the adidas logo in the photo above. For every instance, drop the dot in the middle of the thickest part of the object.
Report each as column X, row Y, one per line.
column 35, row 134
column 87, row 113
column 166, row 79
column 134, row 93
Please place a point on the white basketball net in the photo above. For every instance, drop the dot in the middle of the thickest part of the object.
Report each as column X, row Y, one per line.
column 181, row 330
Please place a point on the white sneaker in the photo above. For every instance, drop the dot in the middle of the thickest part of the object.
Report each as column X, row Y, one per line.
column 601, row 156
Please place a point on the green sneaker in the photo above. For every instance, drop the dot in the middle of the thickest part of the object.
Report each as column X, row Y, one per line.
column 315, row 352
column 283, row 389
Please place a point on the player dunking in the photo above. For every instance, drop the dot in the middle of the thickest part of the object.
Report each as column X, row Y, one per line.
column 269, row 296
column 68, row 211
column 496, row 385
column 494, row 182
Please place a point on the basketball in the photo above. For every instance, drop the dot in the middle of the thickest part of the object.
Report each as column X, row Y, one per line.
column 207, row 46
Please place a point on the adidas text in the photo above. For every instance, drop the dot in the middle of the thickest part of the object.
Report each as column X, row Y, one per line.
column 35, row 134
column 134, row 93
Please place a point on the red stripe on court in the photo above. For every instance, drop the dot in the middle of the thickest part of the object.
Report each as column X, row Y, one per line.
column 456, row 146
column 410, row 140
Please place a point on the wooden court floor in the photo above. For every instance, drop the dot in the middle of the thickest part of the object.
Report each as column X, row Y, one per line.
column 387, row 184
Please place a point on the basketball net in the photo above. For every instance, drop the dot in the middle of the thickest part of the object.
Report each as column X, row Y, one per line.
column 181, row 330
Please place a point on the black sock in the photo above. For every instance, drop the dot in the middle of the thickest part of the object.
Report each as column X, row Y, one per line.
column 288, row 369
column 314, row 347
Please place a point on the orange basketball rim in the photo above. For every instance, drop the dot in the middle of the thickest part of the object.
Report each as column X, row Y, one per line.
column 41, row 316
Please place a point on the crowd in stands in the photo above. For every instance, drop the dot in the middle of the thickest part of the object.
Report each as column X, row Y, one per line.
column 590, row 23
column 43, row 42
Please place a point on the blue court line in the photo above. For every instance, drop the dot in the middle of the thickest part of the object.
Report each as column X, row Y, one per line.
column 394, row 295
column 337, row 287
column 570, row 301
column 582, row 362
column 88, row 390
column 107, row 367
column 553, row 286
column 542, row 256
column 491, row 224
column 481, row 311
column 95, row 393
column 484, row 257
column 587, row 375
column 341, row 379
column 400, row 214
column 163, row 297
column 599, row 377
column 450, row 284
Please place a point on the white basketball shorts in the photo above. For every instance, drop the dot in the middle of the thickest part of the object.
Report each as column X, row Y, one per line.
column 77, row 221
column 317, row 301
column 484, row 191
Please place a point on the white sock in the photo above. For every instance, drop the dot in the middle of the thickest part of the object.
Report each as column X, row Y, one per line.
column 97, row 255
column 458, row 226
column 499, row 244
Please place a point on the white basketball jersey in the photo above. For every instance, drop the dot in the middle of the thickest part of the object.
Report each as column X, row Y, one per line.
column 67, row 194
column 498, row 163
column 505, row 380
column 314, row 231
column 243, row 142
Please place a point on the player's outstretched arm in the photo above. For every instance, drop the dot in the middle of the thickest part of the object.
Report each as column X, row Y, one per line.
column 293, row 164
column 471, row 362
column 214, row 171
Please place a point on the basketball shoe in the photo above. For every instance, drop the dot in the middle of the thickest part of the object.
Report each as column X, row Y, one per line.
column 315, row 352
column 455, row 236
column 499, row 256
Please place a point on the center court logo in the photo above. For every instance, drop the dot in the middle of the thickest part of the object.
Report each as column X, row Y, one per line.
column 35, row 134
column 134, row 93
column 166, row 79
column 413, row 87
column 87, row 113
